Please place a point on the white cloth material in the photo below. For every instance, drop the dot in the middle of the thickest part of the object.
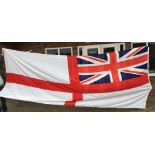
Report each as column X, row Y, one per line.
column 131, row 98
column 54, row 69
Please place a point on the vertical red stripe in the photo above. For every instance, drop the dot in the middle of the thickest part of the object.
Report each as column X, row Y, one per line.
column 114, row 70
column 74, row 81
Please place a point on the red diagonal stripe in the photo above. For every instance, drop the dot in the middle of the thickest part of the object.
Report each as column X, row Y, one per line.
column 136, row 72
column 91, row 78
column 96, row 59
column 138, row 49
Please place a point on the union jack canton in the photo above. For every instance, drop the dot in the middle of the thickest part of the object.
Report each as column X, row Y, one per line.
column 115, row 68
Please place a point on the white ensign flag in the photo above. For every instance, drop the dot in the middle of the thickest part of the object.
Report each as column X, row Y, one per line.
column 113, row 80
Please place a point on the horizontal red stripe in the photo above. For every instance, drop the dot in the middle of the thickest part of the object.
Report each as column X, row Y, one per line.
column 92, row 88
column 37, row 83
column 117, row 65
column 116, row 86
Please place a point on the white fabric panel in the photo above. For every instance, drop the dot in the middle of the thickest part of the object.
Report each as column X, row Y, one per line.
column 131, row 98
column 40, row 66
column 25, row 93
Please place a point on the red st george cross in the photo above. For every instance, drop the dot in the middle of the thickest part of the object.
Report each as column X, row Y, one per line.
column 78, row 89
